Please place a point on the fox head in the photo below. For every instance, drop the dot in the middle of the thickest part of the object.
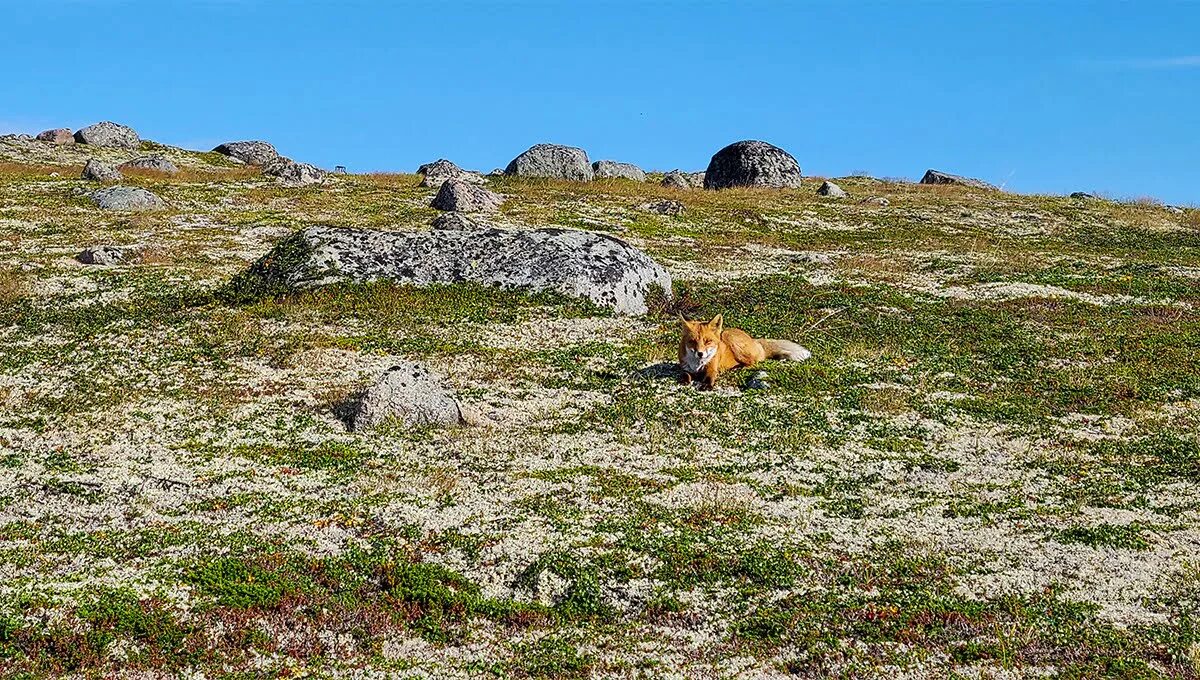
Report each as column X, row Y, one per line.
column 700, row 341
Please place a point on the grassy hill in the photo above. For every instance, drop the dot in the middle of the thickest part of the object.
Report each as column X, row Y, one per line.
column 990, row 467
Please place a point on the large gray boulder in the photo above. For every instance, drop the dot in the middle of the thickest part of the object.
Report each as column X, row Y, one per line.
column 100, row 171
column 290, row 173
column 831, row 190
column 57, row 136
column 109, row 134
column 154, row 163
column 582, row 264
column 938, row 177
column 615, row 170
column 409, row 395
column 436, row 173
column 251, row 152
column 130, row 199
column 752, row 163
column 554, row 161
column 461, row 196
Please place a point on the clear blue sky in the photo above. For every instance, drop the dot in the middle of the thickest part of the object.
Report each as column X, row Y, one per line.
column 1041, row 96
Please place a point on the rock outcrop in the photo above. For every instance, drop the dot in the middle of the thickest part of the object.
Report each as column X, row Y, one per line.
column 938, row 177
column 129, row 199
column 461, row 196
column 553, row 161
column 291, row 173
column 252, row 152
column 615, row 170
column 752, row 164
column 407, row 395
column 154, row 163
column 109, row 134
column 832, row 190
column 100, row 171
column 434, row 174
column 596, row 267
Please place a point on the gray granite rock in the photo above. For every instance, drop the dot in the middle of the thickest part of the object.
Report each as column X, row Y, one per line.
column 668, row 207
column 752, row 163
column 252, row 152
column 129, row 199
column 582, row 264
column 288, row 172
column 109, row 134
column 615, row 170
column 407, row 395
column 105, row 255
column 832, row 190
column 460, row 196
column 155, row 163
column 100, row 171
column 58, row 136
column 938, row 177
column 552, row 161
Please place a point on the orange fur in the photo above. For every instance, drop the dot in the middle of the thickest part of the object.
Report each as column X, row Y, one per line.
column 708, row 349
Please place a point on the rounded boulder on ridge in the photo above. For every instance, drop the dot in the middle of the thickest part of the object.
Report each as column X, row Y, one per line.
column 552, row 161
column 752, row 163
column 615, row 170
column 110, row 134
column 252, row 152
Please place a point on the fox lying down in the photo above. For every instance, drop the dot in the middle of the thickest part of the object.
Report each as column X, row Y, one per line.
column 709, row 349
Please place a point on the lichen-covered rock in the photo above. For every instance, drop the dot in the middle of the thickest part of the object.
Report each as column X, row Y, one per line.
column 597, row 267
column 434, row 174
column 456, row 221
column 832, row 190
column 409, row 395
column 288, row 172
column 668, row 207
column 109, row 134
column 154, row 163
column 131, row 199
column 938, row 177
column 752, row 163
column 252, row 152
column 105, row 255
column 460, row 196
column 677, row 179
column 615, row 170
column 58, row 136
column 100, row 171
column 553, row 161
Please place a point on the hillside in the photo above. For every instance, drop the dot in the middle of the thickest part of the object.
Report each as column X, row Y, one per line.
column 990, row 466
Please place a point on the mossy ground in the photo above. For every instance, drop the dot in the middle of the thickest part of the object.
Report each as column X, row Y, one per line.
column 989, row 468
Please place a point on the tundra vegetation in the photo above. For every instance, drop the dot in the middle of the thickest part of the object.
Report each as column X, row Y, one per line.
column 989, row 468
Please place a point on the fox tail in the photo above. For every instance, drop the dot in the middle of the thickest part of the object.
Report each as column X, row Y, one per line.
column 784, row 349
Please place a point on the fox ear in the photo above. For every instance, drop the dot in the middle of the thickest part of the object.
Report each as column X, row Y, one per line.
column 717, row 322
column 683, row 321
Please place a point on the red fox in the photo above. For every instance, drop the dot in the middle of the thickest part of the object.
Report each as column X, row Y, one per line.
column 709, row 349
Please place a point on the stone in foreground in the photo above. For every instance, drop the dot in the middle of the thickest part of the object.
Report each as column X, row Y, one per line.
column 832, row 190
column 552, row 161
column 599, row 268
column 752, row 163
column 109, row 134
column 130, row 199
column 408, row 394
column 252, row 152
column 460, row 196
column 104, row 255
column 938, row 177
column 615, row 170
column 155, row 163
column 58, row 136
column 99, row 171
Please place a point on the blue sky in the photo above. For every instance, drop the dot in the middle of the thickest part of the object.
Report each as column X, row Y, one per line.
column 1038, row 96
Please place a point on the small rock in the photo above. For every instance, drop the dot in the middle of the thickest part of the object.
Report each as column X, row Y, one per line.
column 460, row 196
column 1082, row 195
column 437, row 172
column 456, row 221
column 615, row 170
column 104, row 255
column 288, row 172
column 552, row 161
column 409, row 395
column 132, row 199
column 677, row 180
column 752, row 163
column 667, row 207
column 814, row 258
column 58, row 136
column 757, row 381
column 938, row 177
column 109, row 134
column 496, row 172
column 876, row 200
column 252, row 152
column 832, row 190
column 154, row 163
column 100, row 172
